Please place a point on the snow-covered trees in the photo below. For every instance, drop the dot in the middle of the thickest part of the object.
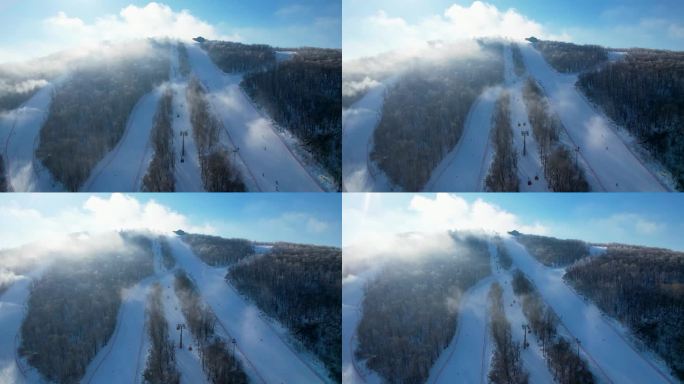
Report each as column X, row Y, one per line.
column 564, row 362
column 159, row 177
column 424, row 114
column 167, row 257
column 503, row 173
column 90, row 109
column 644, row 92
column 237, row 57
column 218, row 172
column 72, row 311
column 506, row 366
column 161, row 360
column 568, row 57
column 553, row 252
column 644, row 289
column 220, row 365
column 518, row 63
column 411, row 308
column 562, row 174
column 183, row 60
column 300, row 286
column 303, row 95
column 3, row 177
column 217, row 251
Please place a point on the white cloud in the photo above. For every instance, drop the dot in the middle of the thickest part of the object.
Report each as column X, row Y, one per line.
column 625, row 224
column 382, row 32
column 133, row 22
column 292, row 221
column 22, row 225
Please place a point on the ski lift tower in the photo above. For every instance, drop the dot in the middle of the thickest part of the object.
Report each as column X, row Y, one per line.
column 180, row 327
column 183, row 134
column 525, row 133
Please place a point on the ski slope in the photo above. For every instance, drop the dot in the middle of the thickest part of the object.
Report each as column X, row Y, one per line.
column 608, row 158
column 465, row 168
column 358, row 124
column 270, row 164
column 610, row 354
column 21, row 135
column 187, row 174
column 266, row 356
column 532, row 357
column 12, row 312
column 530, row 167
column 354, row 372
column 124, row 167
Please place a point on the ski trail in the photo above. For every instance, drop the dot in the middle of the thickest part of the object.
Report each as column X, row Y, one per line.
column 354, row 372
column 270, row 164
column 187, row 174
column 12, row 312
column 25, row 173
column 188, row 362
column 464, row 168
column 465, row 360
column 272, row 359
column 610, row 351
column 529, row 166
column 358, row 124
column 532, row 356
column 122, row 169
column 616, row 167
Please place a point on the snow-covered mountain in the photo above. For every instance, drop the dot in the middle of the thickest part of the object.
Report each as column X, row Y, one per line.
column 514, row 116
column 514, row 308
column 114, row 308
column 163, row 115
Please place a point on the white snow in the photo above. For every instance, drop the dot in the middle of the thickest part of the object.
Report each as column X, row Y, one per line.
column 270, row 164
column 358, row 124
column 284, row 55
column 616, row 55
column 353, row 286
column 266, row 356
column 529, row 166
column 466, row 359
column 465, row 168
column 609, row 163
column 21, row 135
column 187, row 174
column 609, row 353
column 124, row 167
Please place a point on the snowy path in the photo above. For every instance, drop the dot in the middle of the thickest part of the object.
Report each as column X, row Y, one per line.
column 532, row 357
column 271, row 165
column 258, row 342
column 464, row 168
column 124, row 167
column 188, row 362
column 529, row 166
column 614, row 164
column 21, row 135
column 606, row 347
column 353, row 372
column 465, row 360
column 188, row 174
column 358, row 124
column 119, row 360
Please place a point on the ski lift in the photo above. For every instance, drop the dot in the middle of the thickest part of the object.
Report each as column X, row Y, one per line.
column 536, row 177
column 529, row 182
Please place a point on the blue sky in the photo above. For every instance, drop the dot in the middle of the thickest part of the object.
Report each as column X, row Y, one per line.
column 614, row 23
column 37, row 26
column 631, row 218
column 313, row 218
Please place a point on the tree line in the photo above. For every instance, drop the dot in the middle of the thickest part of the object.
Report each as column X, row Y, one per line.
column 218, row 251
column 301, row 287
column 518, row 63
column 553, row 252
column 159, row 176
column 410, row 310
column 237, row 57
column 503, row 172
column 643, row 288
column 424, row 113
column 506, row 365
column 568, row 57
column 161, row 359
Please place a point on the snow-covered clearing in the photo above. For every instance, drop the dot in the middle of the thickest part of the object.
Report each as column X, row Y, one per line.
column 610, row 354
column 466, row 359
column 123, row 168
column 354, row 372
column 263, row 351
column 187, row 174
column 608, row 158
column 532, row 357
column 21, row 135
column 270, row 165
column 358, row 124
column 530, row 168
column 464, row 168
